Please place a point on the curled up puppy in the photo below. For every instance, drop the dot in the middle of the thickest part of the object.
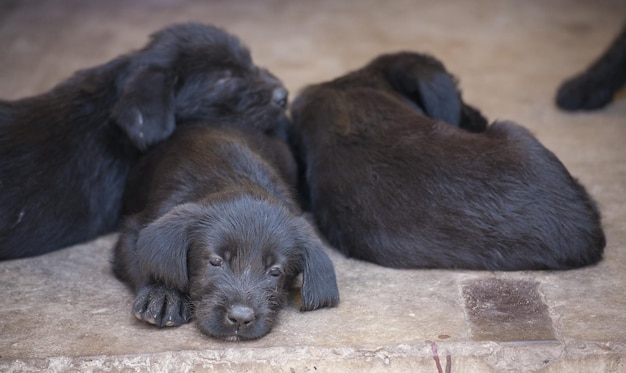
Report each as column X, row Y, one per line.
column 65, row 154
column 220, row 237
column 402, row 173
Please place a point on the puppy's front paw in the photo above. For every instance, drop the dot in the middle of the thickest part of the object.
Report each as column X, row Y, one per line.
column 584, row 92
column 161, row 306
column 329, row 299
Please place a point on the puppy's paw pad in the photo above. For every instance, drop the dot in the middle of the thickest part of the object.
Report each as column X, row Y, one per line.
column 161, row 306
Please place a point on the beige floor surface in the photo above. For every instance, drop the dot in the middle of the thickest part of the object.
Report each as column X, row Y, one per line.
column 66, row 312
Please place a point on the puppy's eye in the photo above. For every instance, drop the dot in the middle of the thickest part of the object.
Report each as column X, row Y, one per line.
column 275, row 271
column 216, row 262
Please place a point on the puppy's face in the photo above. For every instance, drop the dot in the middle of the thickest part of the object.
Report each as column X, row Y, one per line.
column 194, row 72
column 237, row 94
column 235, row 256
column 239, row 284
column 242, row 259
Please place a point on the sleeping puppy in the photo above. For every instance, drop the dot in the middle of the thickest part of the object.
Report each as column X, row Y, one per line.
column 220, row 238
column 398, row 186
column 65, row 154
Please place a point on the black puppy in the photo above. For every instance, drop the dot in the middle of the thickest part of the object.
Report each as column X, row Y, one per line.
column 220, row 236
column 390, row 185
column 65, row 154
column 594, row 88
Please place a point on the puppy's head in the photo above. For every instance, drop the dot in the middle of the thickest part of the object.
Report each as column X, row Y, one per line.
column 416, row 79
column 194, row 72
column 238, row 257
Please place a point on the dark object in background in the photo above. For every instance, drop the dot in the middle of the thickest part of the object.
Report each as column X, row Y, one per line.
column 396, row 186
column 221, row 237
column 65, row 154
column 595, row 87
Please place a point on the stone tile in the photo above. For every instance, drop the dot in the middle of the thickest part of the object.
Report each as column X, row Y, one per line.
column 507, row 311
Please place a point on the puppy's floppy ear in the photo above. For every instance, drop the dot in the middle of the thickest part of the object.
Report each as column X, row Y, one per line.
column 162, row 247
column 425, row 81
column 319, row 283
column 145, row 108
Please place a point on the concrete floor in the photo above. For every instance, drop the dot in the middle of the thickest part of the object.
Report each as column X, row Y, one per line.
column 66, row 312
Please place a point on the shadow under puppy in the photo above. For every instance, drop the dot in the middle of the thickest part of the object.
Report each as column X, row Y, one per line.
column 398, row 186
column 65, row 154
column 221, row 236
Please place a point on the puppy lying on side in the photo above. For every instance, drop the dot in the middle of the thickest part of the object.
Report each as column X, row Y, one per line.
column 220, row 237
column 65, row 154
column 393, row 186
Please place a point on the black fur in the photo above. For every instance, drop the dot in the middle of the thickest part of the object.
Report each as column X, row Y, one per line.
column 595, row 87
column 395, row 187
column 65, row 154
column 220, row 236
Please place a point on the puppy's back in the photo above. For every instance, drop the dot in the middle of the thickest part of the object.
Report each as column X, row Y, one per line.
column 62, row 168
column 199, row 161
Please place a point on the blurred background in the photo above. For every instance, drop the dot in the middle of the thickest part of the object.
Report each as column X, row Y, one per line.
column 492, row 46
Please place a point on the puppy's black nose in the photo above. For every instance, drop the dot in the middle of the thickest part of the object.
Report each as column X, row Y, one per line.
column 279, row 97
column 240, row 315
